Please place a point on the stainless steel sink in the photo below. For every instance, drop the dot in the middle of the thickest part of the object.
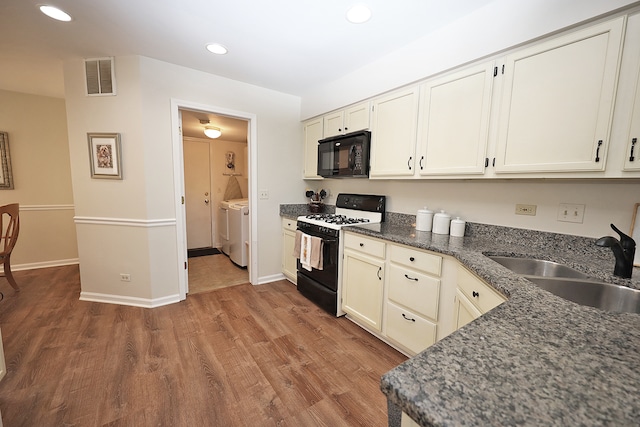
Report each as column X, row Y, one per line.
column 538, row 267
column 595, row 294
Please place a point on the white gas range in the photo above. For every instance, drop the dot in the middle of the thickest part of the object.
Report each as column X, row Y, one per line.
column 323, row 285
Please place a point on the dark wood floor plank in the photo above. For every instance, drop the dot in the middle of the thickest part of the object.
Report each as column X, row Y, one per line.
column 237, row 356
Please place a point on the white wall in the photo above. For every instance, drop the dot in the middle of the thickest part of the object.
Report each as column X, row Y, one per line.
column 498, row 26
column 493, row 202
column 129, row 226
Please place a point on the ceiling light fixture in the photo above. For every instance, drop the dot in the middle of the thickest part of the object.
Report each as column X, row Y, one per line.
column 358, row 14
column 55, row 13
column 212, row 132
column 216, row 48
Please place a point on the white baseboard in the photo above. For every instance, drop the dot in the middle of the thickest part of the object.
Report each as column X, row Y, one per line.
column 44, row 264
column 131, row 301
column 268, row 279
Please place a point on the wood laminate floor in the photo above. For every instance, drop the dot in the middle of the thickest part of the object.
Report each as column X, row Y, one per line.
column 238, row 356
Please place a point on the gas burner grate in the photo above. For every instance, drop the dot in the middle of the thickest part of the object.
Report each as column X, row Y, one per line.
column 337, row 219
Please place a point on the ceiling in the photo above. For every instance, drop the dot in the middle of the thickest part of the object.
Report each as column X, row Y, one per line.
column 232, row 129
column 284, row 45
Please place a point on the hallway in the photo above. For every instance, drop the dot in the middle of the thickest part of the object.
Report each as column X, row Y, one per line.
column 207, row 273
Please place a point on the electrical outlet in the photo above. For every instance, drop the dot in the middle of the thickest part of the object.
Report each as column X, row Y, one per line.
column 526, row 209
column 263, row 194
column 125, row 277
column 568, row 212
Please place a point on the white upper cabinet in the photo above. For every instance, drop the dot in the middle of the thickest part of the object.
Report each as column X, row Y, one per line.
column 334, row 123
column 557, row 102
column 357, row 117
column 454, row 122
column 632, row 55
column 394, row 128
column 312, row 131
column 348, row 120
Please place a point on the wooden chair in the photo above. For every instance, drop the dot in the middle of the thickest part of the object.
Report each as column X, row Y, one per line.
column 9, row 237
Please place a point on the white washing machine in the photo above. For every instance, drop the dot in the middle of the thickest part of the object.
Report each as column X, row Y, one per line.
column 238, row 215
column 223, row 226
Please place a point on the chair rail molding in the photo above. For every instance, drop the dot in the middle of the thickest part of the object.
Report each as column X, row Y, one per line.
column 144, row 223
column 26, row 208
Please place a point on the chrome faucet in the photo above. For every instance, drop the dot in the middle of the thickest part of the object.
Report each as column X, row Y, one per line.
column 624, row 251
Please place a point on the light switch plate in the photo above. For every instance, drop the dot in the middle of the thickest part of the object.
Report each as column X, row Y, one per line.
column 569, row 212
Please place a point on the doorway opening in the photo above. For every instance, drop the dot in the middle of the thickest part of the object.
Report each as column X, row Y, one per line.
column 215, row 180
column 209, row 172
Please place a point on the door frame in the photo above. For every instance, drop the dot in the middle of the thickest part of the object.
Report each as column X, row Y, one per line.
column 178, row 177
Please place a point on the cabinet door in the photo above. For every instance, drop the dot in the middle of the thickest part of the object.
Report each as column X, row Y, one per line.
column 632, row 48
column 454, row 122
column 557, row 102
column 289, row 264
column 334, row 124
column 465, row 311
column 393, row 133
column 312, row 130
column 362, row 288
column 356, row 117
column 478, row 292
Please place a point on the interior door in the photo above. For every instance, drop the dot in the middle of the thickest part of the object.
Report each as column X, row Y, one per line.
column 197, row 183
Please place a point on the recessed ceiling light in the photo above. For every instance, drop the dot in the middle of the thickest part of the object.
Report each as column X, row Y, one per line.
column 55, row 13
column 216, row 48
column 358, row 14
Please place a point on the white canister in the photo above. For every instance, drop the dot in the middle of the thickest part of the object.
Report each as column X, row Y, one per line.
column 457, row 227
column 441, row 222
column 424, row 219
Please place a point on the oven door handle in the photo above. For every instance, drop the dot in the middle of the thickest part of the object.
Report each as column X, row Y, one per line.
column 323, row 239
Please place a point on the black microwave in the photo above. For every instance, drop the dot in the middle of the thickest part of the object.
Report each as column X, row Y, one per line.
column 344, row 156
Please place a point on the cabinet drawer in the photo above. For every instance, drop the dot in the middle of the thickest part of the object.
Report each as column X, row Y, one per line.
column 414, row 290
column 364, row 244
column 289, row 224
column 480, row 294
column 408, row 329
column 419, row 260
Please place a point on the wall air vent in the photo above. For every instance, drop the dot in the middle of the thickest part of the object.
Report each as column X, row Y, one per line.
column 100, row 76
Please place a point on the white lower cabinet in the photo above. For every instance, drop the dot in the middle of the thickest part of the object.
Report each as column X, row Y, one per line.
column 392, row 290
column 465, row 311
column 289, row 260
column 413, row 290
column 406, row 421
column 473, row 298
column 404, row 295
column 363, row 280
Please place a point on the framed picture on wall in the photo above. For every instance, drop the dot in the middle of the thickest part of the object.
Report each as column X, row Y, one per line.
column 104, row 155
column 6, row 175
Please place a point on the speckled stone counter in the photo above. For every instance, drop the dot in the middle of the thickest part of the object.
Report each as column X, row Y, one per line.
column 537, row 359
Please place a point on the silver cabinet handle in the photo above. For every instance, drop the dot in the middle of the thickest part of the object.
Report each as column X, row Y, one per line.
column 206, row 201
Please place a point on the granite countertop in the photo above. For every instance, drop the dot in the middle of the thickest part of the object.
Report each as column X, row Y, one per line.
column 537, row 359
